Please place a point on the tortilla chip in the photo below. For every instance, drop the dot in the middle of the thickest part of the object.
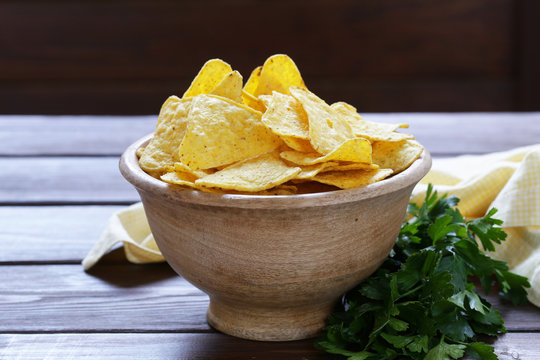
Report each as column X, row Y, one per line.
column 353, row 178
column 370, row 130
column 210, row 75
column 253, row 82
column 309, row 171
column 354, row 150
column 183, row 168
column 221, row 132
column 160, row 153
column 396, row 155
column 179, row 178
column 285, row 116
column 230, row 87
column 350, row 166
column 256, row 174
column 278, row 73
column 253, row 102
column 327, row 130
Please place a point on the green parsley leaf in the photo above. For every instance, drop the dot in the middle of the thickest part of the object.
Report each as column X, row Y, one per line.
column 421, row 303
column 445, row 351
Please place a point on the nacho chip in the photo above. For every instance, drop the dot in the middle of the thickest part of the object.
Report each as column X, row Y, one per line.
column 221, row 132
column 253, row 82
column 278, row 73
column 354, row 150
column 230, row 87
column 353, row 178
column 139, row 152
column 210, row 75
column 253, row 102
column 170, row 129
column 256, row 174
column 298, row 144
column 396, row 155
column 309, row 171
column 368, row 129
column 350, row 166
column 179, row 178
column 183, row 168
column 327, row 130
column 285, row 116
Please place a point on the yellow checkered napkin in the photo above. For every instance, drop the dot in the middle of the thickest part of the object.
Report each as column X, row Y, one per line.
column 130, row 227
column 508, row 181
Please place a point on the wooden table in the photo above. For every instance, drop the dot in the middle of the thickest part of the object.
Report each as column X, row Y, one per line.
column 60, row 183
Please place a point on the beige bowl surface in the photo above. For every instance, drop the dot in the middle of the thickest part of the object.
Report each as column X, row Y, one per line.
column 273, row 266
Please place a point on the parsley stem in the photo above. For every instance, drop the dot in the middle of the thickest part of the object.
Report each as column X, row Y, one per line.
column 410, row 291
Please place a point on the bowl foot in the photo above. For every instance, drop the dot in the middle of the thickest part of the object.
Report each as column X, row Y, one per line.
column 268, row 324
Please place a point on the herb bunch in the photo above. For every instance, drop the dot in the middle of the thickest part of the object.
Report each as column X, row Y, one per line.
column 421, row 303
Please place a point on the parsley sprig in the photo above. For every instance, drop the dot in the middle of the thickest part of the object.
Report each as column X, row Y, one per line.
column 421, row 303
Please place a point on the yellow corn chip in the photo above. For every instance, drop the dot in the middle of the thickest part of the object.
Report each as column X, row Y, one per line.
column 278, row 73
column 350, row 166
column 396, row 155
column 253, row 102
column 170, row 129
column 210, row 75
column 298, row 144
column 139, row 152
column 285, row 116
column 327, row 130
column 230, row 87
column 221, row 132
column 253, row 82
column 272, row 133
column 249, row 89
column 354, row 150
column 183, row 168
column 353, row 178
column 368, row 129
column 309, row 171
column 256, row 174
column 179, row 178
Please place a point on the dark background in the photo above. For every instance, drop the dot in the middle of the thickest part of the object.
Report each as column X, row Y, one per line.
column 127, row 56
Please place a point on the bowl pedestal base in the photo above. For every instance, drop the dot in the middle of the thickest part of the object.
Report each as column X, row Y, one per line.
column 268, row 323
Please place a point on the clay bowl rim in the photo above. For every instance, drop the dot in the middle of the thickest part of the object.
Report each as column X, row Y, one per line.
column 132, row 172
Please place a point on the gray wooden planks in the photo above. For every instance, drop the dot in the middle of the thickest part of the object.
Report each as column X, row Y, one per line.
column 441, row 133
column 128, row 297
column 213, row 346
column 50, row 233
column 64, row 180
column 125, row 297
column 71, row 135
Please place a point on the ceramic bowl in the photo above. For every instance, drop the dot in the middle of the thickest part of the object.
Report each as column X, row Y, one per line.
column 274, row 266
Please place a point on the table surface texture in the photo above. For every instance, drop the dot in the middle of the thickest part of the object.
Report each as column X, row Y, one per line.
column 60, row 183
